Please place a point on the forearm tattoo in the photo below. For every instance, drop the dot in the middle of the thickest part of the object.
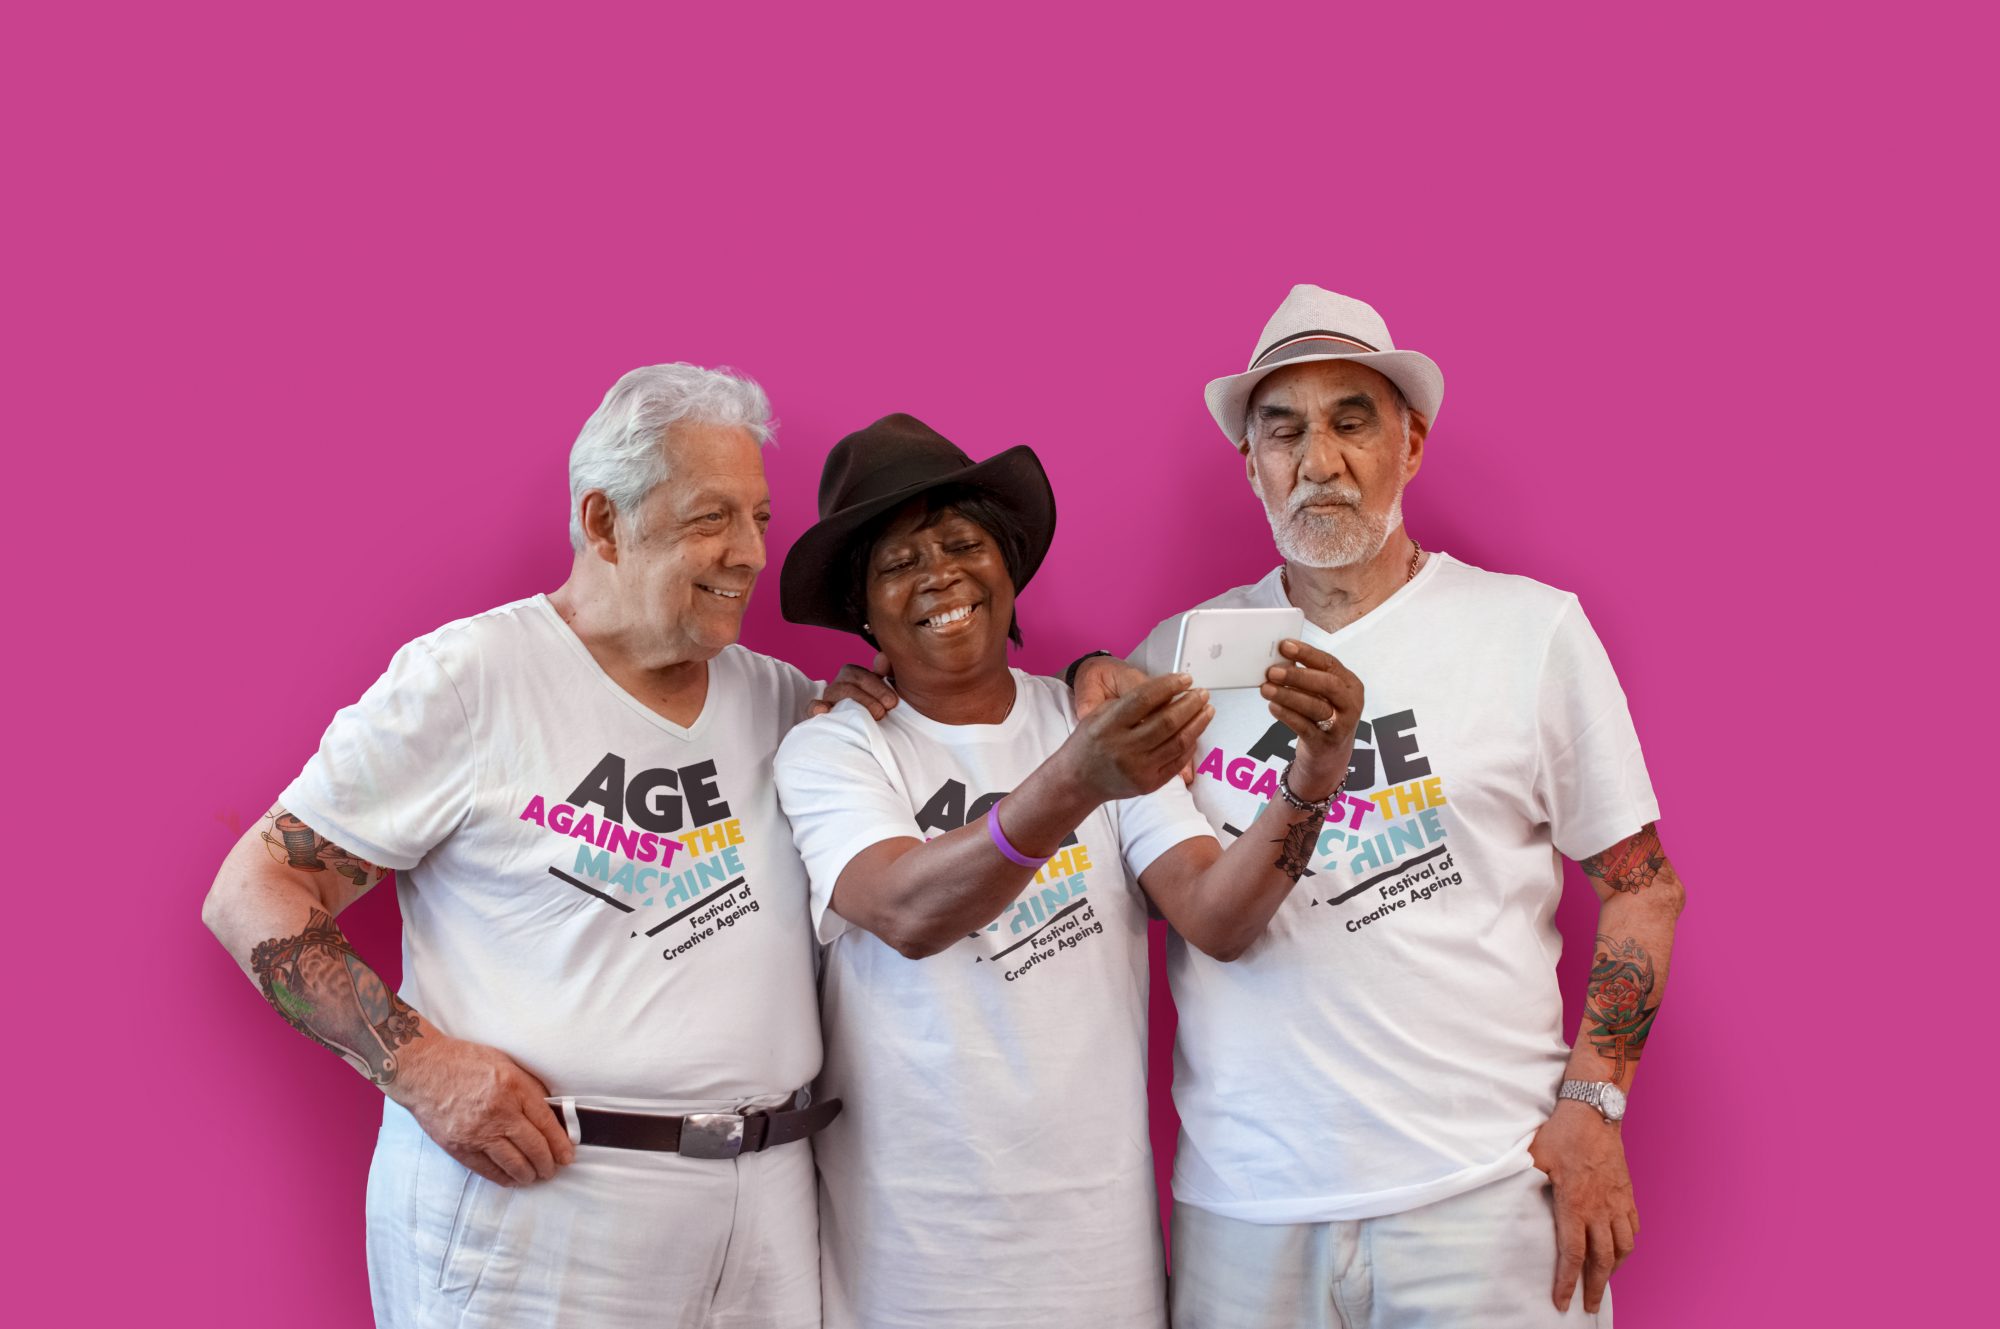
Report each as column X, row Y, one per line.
column 1619, row 1010
column 1295, row 850
column 1632, row 864
column 317, row 982
column 298, row 845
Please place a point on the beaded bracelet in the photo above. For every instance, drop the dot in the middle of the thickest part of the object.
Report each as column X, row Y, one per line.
column 1323, row 807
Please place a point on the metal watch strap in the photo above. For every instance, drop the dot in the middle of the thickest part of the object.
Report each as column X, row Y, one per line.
column 1591, row 1092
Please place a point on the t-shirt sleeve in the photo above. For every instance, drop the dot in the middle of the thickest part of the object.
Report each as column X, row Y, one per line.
column 1155, row 654
column 394, row 773
column 1591, row 785
column 800, row 693
column 1151, row 824
column 840, row 800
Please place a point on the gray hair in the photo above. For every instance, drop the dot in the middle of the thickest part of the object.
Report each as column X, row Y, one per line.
column 620, row 449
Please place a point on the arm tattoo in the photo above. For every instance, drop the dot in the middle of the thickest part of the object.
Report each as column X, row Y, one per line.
column 317, row 982
column 297, row 845
column 1296, row 849
column 1632, row 864
column 1618, row 1012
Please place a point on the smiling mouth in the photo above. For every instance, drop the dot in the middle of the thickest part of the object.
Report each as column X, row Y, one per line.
column 948, row 618
column 721, row 594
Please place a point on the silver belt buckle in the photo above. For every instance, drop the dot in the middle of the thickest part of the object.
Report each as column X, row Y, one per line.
column 711, row 1135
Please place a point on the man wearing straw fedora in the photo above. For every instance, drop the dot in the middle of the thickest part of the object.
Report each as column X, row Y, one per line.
column 1382, row 1123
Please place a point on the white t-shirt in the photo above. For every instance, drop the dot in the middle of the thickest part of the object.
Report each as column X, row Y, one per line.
column 992, row 1166
column 1396, row 1037
column 607, row 897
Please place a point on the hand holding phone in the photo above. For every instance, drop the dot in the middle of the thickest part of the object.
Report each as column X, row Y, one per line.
column 1232, row 648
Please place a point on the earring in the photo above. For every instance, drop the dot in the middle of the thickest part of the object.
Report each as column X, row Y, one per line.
column 866, row 628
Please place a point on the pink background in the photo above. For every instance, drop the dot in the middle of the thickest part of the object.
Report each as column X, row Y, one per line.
column 306, row 308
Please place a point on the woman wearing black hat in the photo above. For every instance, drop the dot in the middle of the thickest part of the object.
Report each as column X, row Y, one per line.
column 981, row 867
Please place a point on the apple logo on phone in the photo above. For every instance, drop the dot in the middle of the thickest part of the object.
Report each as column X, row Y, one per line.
column 1215, row 651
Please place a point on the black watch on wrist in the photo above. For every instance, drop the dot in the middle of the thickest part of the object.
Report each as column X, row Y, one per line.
column 1069, row 674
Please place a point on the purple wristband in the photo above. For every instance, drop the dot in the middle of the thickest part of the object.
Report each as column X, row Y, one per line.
column 1000, row 841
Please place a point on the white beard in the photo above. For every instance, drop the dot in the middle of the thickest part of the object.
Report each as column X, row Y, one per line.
column 1340, row 540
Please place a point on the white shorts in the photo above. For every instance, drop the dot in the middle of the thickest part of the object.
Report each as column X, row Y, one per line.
column 1486, row 1258
column 619, row 1237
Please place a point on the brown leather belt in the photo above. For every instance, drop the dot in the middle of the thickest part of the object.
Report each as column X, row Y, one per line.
column 704, row 1134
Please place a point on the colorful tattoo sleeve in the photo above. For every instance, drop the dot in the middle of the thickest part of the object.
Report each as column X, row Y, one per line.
column 1620, row 1007
column 317, row 982
column 1631, row 865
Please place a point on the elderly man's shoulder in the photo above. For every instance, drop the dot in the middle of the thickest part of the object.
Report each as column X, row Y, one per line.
column 767, row 675
column 501, row 623
column 1464, row 588
column 481, row 642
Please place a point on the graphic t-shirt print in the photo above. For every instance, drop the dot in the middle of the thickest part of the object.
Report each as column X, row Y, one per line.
column 661, row 840
column 1052, row 914
column 1379, row 852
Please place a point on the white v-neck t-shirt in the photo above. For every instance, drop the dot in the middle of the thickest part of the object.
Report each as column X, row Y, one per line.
column 610, row 898
column 992, row 1166
column 1395, row 1037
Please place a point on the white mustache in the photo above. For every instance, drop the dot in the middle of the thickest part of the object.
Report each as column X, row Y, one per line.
column 1330, row 493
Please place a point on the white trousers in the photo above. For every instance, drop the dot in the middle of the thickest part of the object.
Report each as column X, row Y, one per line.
column 1484, row 1259
column 619, row 1237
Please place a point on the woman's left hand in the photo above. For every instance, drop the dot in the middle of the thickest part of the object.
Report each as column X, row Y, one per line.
column 1319, row 700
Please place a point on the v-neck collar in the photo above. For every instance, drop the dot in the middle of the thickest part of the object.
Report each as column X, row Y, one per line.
column 590, row 663
column 1317, row 636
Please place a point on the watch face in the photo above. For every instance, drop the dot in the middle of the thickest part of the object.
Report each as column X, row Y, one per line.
column 1613, row 1102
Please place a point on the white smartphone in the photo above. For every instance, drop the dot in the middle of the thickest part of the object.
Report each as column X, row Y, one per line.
column 1231, row 648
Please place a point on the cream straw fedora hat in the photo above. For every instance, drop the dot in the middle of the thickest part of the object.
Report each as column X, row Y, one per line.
column 1316, row 324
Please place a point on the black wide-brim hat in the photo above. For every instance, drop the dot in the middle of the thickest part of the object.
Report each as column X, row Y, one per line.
column 877, row 470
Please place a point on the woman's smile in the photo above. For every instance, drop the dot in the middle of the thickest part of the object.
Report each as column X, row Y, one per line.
column 949, row 622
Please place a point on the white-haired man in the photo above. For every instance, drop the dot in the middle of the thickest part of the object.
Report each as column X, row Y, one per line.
column 1366, row 1093
column 608, row 970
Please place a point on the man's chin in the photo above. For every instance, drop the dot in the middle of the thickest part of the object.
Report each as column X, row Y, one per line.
column 1327, row 554
column 714, row 630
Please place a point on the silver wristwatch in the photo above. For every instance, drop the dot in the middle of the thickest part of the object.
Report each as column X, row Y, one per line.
column 1606, row 1097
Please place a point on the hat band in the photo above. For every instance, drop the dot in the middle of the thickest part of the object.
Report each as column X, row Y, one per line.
column 1316, row 342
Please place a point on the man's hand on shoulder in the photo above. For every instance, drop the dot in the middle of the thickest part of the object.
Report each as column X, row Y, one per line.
column 1597, row 1221
column 868, row 686
column 482, row 1109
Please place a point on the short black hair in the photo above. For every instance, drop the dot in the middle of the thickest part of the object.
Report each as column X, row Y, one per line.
column 976, row 505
